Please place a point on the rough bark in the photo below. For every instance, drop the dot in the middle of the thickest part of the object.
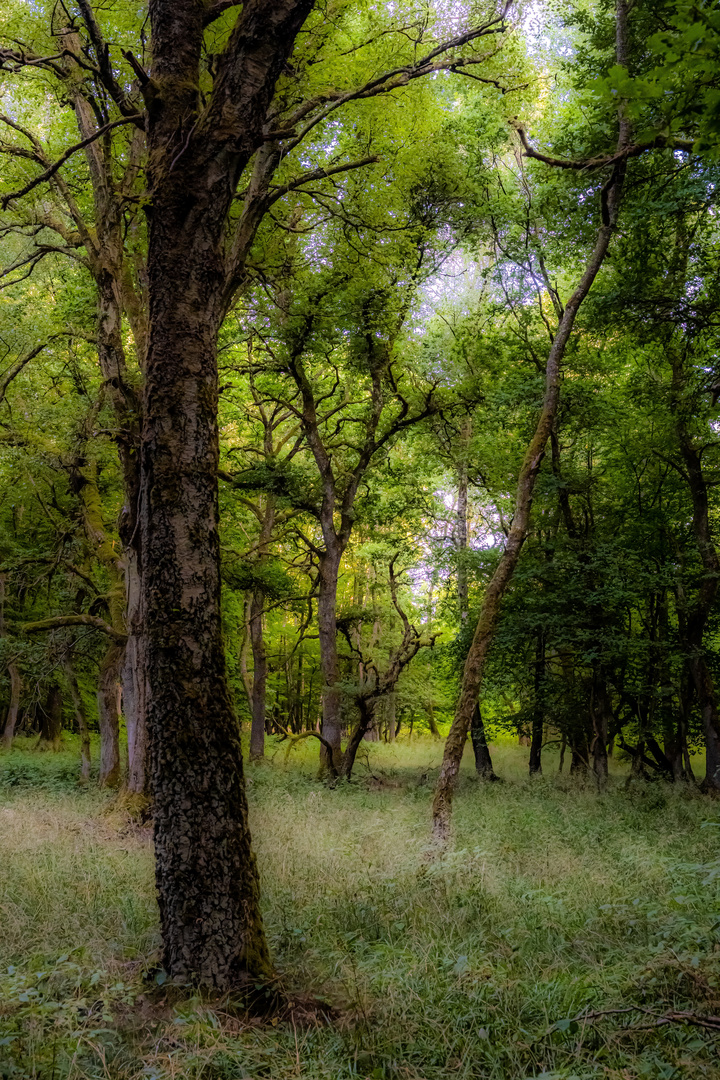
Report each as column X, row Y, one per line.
column 490, row 611
column 207, row 881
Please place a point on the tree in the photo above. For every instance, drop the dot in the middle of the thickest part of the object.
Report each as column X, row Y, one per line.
column 489, row 614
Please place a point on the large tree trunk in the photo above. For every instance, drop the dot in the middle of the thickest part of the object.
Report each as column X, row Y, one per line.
column 81, row 719
column 206, row 877
column 207, row 881
column 259, row 679
column 327, row 631
column 107, row 696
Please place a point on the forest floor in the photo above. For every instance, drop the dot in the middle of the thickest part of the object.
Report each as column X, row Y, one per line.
column 553, row 902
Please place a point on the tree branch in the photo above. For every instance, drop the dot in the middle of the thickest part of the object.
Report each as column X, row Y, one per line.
column 52, row 169
column 598, row 162
column 17, row 367
column 57, row 621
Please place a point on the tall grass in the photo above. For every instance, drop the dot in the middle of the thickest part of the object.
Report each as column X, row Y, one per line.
column 552, row 901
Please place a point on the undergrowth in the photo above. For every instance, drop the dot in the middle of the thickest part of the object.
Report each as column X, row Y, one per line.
column 553, row 905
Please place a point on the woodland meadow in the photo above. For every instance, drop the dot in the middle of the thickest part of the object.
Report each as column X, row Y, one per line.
column 359, row 539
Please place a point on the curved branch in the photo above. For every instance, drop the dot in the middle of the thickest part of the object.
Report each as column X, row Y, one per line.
column 52, row 169
column 93, row 621
column 601, row 160
column 219, row 8
column 17, row 367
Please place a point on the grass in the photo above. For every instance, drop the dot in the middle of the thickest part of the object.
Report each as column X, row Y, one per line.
column 553, row 900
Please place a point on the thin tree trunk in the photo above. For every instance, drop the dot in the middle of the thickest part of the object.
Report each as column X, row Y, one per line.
column 483, row 760
column 13, row 706
column 675, row 744
column 107, row 696
column 80, row 717
column 579, row 755
column 536, row 742
column 490, row 611
column 461, row 527
column 133, row 683
column 363, row 726
column 711, row 723
column 327, row 631
column 478, row 736
column 51, row 720
column 637, row 767
column 115, row 288
column 15, row 680
column 391, row 706
column 431, row 721
column 697, row 618
column 601, row 713
column 259, row 680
